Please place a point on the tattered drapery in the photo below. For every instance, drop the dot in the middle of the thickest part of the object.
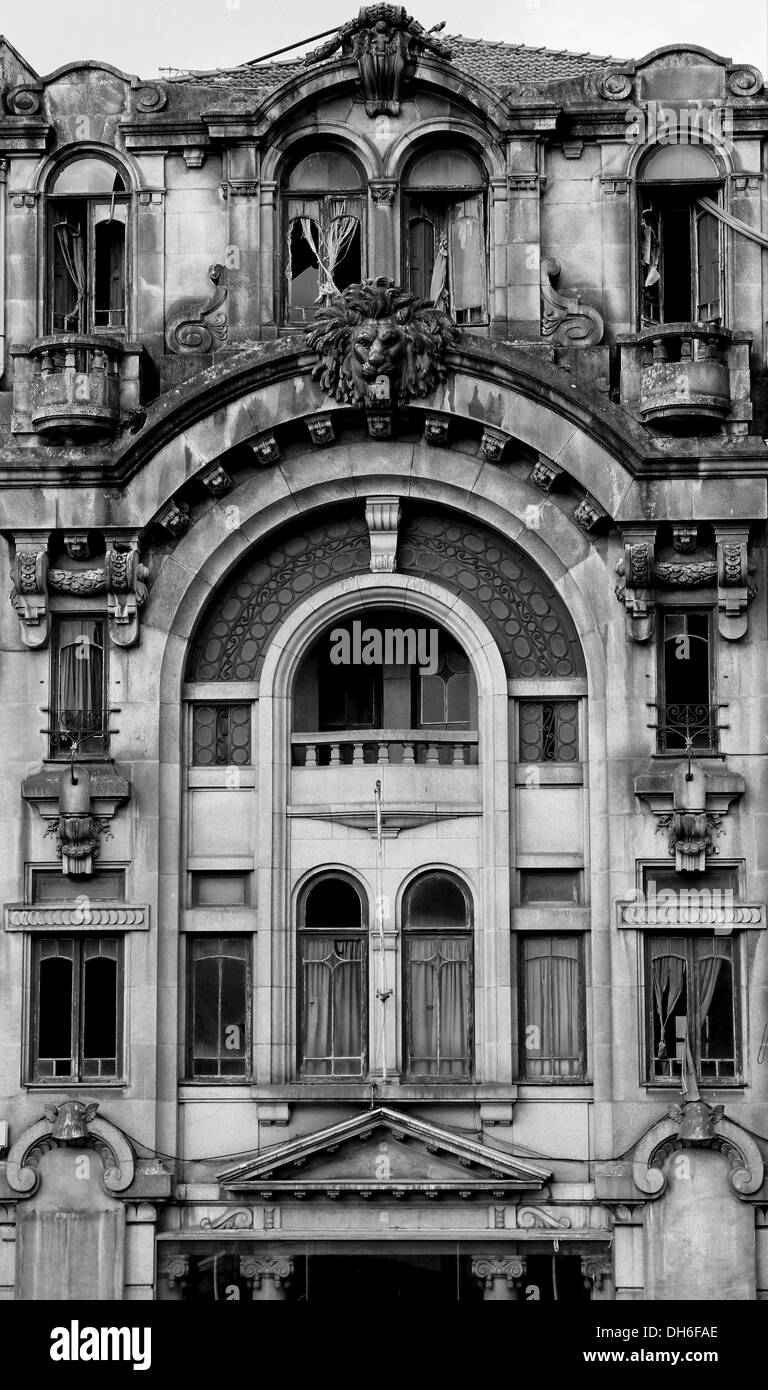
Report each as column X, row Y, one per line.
column 707, row 205
column 70, row 242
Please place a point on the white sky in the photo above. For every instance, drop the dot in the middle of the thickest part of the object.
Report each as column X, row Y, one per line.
column 141, row 36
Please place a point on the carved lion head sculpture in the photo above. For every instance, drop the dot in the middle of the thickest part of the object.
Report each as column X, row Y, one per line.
column 380, row 345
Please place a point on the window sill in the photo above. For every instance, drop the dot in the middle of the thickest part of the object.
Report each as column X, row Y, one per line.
column 63, row 1084
column 673, row 1087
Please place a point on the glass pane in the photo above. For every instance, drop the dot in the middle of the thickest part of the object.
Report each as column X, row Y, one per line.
column 333, row 904
column 55, row 1004
column 685, row 710
column 205, row 1013
column 326, row 171
column 433, row 702
column 421, row 255
column 708, row 299
column 435, row 901
column 679, row 164
column 549, row 886
column 233, row 1009
column 109, row 275
column 445, row 169
column 52, row 886
column 303, row 271
column 549, row 731
column 99, row 1011
column 221, row 735
column 83, row 176
column 228, row 889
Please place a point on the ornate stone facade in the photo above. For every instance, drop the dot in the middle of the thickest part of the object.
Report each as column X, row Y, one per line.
column 313, row 671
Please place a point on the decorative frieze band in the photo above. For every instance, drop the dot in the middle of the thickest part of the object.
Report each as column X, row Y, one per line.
column 76, row 915
column 657, row 912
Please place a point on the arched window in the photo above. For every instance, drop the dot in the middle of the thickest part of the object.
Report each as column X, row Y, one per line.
column 437, row 962
column 87, row 220
column 444, row 235
column 387, row 670
column 323, row 229
column 332, row 979
column 681, row 242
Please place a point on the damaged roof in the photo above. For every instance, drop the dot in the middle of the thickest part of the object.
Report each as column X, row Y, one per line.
column 502, row 65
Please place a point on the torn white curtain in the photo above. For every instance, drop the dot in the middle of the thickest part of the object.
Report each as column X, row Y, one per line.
column 331, row 246
column 731, row 221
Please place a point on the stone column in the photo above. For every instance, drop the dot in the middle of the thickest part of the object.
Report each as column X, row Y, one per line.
column 499, row 1277
column 382, row 229
column 267, row 1277
column 243, row 230
column 269, row 260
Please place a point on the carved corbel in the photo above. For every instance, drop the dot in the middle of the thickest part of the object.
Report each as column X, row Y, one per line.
column 733, row 589
column 563, row 316
column 690, row 804
column 174, row 518
column 635, row 588
column 382, row 515
column 596, row 1268
column 265, row 450
column 216, row 479
column 195, row 328
column 493, row 444
column 545, row 474
column 321, row 430
column 589, row 514
column 77, row 839
column 436, row 430
column 29, row 594
column 126, row 591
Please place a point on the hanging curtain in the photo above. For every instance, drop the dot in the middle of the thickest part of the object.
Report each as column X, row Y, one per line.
column 438, row 286
column 709, row 974
column 439, row 984
column 332, row 1013
column 80, row 667
column 466, row 259
column 669, row 975
column 552, row 1005
column 70, row 243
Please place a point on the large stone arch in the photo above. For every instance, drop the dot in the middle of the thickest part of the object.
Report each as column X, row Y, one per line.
column 209, row 553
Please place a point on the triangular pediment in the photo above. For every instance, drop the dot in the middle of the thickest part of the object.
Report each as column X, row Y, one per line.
column 384, row 1150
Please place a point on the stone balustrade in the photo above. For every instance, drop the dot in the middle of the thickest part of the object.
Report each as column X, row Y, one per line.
column 402, row 747
column 687, row 377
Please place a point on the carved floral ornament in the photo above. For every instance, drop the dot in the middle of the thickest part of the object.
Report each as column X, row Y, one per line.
column 640, row 576
column 122, row 578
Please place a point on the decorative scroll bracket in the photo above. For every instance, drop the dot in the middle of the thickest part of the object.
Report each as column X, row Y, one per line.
column 382, row 515
column 635, row 588
column 733, row 589
column 29, row 594
column 193, row 328
column 564, row 317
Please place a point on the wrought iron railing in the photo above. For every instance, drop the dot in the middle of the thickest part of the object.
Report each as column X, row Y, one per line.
column 687, row 727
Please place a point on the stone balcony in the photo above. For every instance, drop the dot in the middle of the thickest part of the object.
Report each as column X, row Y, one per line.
column 75, row 386
column 423, row 769
column 687, row 378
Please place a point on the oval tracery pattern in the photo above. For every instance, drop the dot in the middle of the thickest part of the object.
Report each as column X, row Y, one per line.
column 531, row 624
column 529, row 620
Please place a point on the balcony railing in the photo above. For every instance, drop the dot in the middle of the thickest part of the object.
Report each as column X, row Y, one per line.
column 683, row 728
column 72, row 385
column 687, row 377
column 86, row 732
column 401, row 747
